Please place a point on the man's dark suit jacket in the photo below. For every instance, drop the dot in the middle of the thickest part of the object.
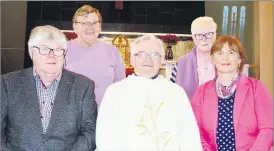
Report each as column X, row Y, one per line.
column 73, row 118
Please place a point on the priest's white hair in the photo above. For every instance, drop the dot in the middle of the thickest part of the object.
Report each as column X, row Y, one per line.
column 151, row 39
column 47, row 32
column 202, row 22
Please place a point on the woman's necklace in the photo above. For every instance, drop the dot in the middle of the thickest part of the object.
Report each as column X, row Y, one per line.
column 205, row 58
column 206, row 61
column 206, row 64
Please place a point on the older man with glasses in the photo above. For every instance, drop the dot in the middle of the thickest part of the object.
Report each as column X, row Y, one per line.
column 47, row 107
column 195, row 68
column 141, row 112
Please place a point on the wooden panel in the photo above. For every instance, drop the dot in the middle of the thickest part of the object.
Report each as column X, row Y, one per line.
column 263, row 41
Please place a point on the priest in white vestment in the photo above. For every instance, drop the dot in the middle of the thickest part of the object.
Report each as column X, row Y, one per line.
column 146, row 112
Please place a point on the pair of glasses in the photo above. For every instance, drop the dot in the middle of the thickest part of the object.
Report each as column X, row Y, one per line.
column 143, row 54
column 89, row 23
column 208, row 35
column 43, row 50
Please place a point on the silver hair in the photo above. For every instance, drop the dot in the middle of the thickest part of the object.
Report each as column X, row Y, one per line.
column 203, row 21
column 151, row 38
column 47, row 32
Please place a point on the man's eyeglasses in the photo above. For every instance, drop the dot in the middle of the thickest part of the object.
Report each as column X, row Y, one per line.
column 89, row 23
column 43, row 50
column 143, row 54
column 208, row 35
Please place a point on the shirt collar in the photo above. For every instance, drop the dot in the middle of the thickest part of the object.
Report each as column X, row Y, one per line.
column 58, row 78
column 154, row 77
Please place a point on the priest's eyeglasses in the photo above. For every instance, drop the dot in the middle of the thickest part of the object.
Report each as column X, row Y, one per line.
column 43, row 50
column 143, row 54
column 95, row 23
column 208, row 35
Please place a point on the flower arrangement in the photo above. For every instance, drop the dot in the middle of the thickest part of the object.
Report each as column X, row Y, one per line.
column 170, row 39
column 70, row 35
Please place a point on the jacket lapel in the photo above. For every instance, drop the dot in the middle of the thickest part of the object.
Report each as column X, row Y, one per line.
column 61, row 97
column 195, row 67
column 240, row 95
column 31, row 93
column 212, row 105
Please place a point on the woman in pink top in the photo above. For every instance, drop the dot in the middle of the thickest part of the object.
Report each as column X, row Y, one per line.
column 234, row 112
column 90, row 57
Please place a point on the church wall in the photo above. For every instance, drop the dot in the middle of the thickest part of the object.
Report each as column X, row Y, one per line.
column 13, row 27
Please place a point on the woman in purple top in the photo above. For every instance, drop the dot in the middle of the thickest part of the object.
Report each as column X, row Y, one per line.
column 90, row 57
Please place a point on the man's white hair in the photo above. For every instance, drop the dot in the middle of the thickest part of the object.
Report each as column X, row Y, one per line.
column 203, row 21
column 151, row 39
column 47, row 32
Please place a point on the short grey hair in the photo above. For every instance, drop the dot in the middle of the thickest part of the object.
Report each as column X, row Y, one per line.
column 203, row 21
column 151, row 38
column 47, row 32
